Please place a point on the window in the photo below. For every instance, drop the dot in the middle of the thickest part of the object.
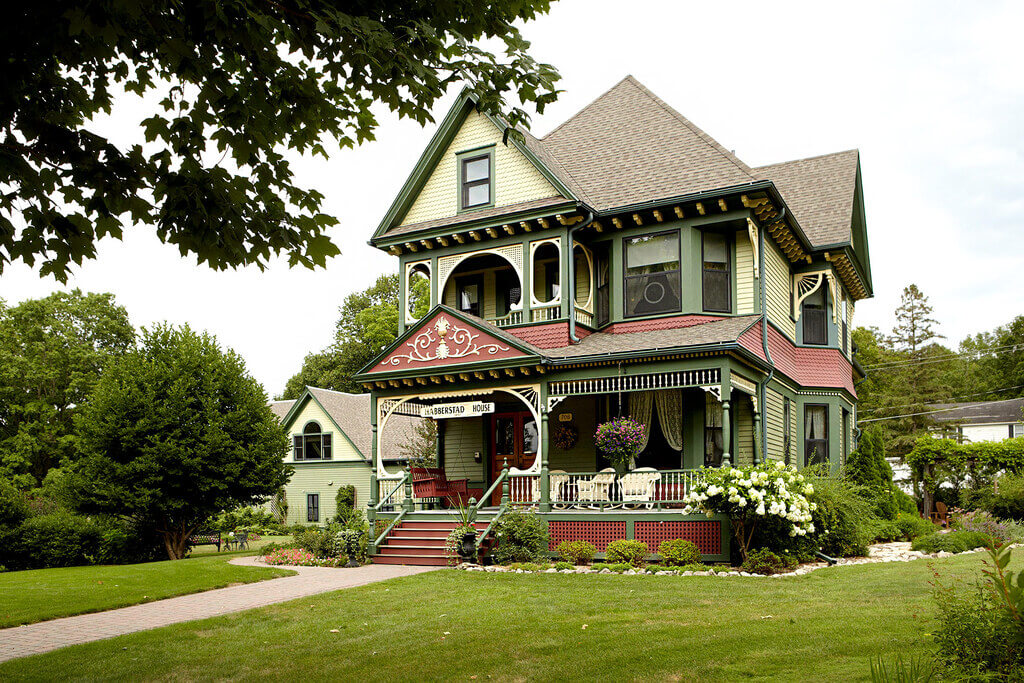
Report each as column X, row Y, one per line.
column 845, row 331
column 603, row 285
column 469, row 294
column 787, row 430
column 312, row 444
column 509, row 292
column 717, row 279
column 813, row 315
column 815, row 434
column 1016, row 430
column 844, row 435
column 714, row 445
column 312, row 507
column 652, row 283
column 476, row 181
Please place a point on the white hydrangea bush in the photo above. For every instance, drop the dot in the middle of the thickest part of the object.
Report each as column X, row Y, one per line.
column 753, row 493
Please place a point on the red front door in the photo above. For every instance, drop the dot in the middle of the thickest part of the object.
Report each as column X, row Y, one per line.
column 515, row 438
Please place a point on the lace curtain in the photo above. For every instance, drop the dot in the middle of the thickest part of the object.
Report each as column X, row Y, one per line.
column 640, row 404
column 670, row 414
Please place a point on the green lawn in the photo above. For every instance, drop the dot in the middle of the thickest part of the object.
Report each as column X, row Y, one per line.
column 40, row 594
column 253, row 547
column 450, row 625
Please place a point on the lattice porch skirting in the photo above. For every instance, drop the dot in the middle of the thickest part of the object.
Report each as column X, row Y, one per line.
column 711, row 536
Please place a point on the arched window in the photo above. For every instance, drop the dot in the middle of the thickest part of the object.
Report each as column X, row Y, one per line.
column 815, row 321
column 312, row 444
column 417, row 291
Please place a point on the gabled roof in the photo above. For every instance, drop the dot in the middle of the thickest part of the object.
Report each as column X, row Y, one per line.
column 820, row 191
column 351, row 416
column 981, row 412
column 628, row 147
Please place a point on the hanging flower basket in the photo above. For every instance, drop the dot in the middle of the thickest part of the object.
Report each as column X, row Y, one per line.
column 620, row 440
column 565, row 437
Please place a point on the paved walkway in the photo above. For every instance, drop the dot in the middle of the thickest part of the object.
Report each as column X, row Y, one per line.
column 21, row 641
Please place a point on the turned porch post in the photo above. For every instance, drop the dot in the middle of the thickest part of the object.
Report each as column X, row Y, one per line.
column 505, row 498
column 408, row 503
column 545, row 491
column 726, row 433
column 758, row 454
column 371, row 514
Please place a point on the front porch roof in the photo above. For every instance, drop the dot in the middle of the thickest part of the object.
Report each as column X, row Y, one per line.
column 514, row 356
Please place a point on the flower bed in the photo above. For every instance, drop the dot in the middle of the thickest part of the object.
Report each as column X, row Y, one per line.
column 300, row 558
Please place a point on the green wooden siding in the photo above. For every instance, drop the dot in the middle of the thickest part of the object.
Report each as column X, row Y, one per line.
column 744, row 438
column 778, row 289
column 463, row 438
column 774, row 415
column 582, row 457
column 313, row 477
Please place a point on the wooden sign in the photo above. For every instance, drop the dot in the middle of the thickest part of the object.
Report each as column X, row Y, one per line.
column 444, row 411
column 565, row 417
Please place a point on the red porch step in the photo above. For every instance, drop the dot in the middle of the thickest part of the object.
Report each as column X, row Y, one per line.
column 418, row 543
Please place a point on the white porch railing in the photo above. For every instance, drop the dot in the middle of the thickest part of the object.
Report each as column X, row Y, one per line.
column 385, row 487
column 524, row 489
column 513, row 318
column 541, row 314
column 584, row 317
column 639, row 488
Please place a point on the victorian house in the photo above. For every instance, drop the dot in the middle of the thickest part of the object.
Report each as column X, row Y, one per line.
column 624, row 264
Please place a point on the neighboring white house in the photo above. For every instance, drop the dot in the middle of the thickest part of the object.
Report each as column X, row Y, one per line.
column 981, row 421
column 330, row 446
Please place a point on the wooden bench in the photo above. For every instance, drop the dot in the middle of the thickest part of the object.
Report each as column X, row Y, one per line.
column 431, row 482
column 205, row 538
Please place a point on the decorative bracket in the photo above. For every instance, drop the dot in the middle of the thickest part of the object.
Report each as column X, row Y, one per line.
column 715, row 390
column 752, row 232
column 554, row 401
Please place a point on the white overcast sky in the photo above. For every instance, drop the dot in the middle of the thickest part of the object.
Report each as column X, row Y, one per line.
column 930, row 92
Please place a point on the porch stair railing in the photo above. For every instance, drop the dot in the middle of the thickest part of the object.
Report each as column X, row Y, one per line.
column 405, row 483
column 502, row 481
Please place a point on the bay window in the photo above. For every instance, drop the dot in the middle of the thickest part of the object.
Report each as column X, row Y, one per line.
column 652, row 279
column 815, row 434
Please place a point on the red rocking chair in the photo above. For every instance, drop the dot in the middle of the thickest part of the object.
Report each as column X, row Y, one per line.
column 431, row 482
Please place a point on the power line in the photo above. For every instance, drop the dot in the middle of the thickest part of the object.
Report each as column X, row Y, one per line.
column 927, row 412
column 952, row 398
column 994, row 351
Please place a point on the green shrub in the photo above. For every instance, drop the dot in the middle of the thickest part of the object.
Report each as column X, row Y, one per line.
column 345, row 503
column 982, row 521
column 628, row 552
column 843, row 519
column 652, row 568
column 952, row 542
column 867, row 465
column 320, row 542
column 1008, row 501
column 577, row 552
column 561, row 566
column 64, row 539
column 913, row 525
column 520, row 536
column 883, row 530
column 251, row 518
column 13, row 505
column 695, row 567
column 763, row 562
column 620, row 567
column 598, row 566
column 678, row 552
column 904, row 502
column 980, row 633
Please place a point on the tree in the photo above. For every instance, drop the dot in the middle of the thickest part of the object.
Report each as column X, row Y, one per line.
column 421, row 449
column 52, row 352
column 239, row 84
column 174, row 433
column 367, row 324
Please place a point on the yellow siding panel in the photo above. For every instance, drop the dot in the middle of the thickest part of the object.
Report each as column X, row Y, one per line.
column 744, row 439
column 778, row 289
column 774, row 415
column 341, row 448
column 314, row 478
column 515, row 178
column 745, row 282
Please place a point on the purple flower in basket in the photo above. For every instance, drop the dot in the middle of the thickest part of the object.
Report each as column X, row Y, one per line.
column 620, row 439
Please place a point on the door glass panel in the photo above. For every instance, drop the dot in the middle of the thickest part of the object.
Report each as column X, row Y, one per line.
column 505, row 435
column 531, row 438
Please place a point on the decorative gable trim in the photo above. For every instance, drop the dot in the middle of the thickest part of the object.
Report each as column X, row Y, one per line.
column 464, row 104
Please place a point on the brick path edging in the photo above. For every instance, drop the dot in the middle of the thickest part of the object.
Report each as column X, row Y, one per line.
column 22, row 641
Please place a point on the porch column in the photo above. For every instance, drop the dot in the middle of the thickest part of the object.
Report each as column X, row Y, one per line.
column 545, row 492
column 758, row 453
column 726, row 433
column 370, row 512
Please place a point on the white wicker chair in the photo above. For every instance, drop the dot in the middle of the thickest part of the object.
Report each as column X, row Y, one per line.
column 558, row 482
column 598, row 488
column 638, row 486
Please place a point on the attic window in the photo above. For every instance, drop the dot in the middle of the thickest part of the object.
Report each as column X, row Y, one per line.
column 475, row 172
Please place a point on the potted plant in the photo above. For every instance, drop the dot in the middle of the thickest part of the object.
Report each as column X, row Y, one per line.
column 620, row 440
column 466, row 532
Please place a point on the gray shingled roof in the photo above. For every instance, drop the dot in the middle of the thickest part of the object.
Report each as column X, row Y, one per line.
column 820, row 192
column 601, row 343
column 628, row 146
column 351, row 412
column 980, row 412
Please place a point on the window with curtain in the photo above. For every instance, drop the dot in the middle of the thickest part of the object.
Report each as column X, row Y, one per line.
column 603, row 301
column 312, row 444
column 714, row 445
column 509, row 292
column 716, row 281
column 652, row 280
column 814, row 318
column 815, row 434
column 469, row 294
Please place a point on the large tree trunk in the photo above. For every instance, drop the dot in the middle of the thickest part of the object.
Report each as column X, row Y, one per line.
column 176, row 540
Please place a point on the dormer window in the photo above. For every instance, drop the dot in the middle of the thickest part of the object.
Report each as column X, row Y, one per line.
column 476, row 173
column 312, row 444
column 652, row 280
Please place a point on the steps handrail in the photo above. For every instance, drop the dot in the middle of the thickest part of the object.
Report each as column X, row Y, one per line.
column 376, row 542
column 487, row 532
column 385, row 499
column 490, row 492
